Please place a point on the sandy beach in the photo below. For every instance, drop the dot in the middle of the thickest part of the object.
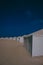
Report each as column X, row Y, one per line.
column 13, row 53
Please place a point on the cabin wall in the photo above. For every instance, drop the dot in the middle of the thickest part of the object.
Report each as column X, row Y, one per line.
column 21, row 40
column 37, row 46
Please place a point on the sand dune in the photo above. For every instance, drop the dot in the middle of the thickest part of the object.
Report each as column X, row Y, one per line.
column 13, row 53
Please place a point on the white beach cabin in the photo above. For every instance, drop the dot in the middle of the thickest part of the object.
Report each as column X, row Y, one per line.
column 33, row 43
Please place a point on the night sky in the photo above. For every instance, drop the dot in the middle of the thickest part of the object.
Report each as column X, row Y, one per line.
column 20, row 17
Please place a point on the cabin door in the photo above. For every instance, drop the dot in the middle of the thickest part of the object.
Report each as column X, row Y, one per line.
column 28, row 43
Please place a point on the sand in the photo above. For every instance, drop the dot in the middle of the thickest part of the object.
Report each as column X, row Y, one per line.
column 13, row 53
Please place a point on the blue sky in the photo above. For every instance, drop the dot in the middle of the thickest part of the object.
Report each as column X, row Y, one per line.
column 20, row 17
